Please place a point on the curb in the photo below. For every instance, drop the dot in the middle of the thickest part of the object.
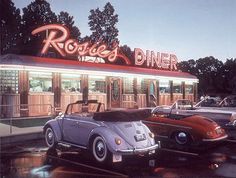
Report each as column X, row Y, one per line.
column 15, row 139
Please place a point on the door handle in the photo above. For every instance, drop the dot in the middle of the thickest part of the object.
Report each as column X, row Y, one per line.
column 75, row 124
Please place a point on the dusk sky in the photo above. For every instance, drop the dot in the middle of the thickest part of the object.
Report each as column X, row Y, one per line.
column 191, row 29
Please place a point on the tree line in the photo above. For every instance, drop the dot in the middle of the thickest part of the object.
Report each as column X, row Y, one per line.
column 215, row 77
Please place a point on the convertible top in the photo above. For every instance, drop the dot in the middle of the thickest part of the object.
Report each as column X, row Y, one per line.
column 122, row 115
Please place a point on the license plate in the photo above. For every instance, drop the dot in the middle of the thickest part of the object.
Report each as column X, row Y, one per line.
column 139, row 137
column 116, row 158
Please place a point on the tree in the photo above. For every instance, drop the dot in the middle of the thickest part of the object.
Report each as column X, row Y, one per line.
column 126, row 51
column 188, row 66
column 10, row 27
column 209, row 71
column 103, row 25
column 68, row 21
column 229, row 71
column 209, row 74
column 36, row 14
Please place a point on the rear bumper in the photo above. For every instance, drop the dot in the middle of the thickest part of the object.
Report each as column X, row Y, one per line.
column 133, row 151
column 215, row 139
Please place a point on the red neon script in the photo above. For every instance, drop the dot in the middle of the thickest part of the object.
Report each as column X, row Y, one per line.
column 58, row 39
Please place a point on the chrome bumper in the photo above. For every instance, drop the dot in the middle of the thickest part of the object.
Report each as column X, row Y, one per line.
column 139, row 150
column 215, row 139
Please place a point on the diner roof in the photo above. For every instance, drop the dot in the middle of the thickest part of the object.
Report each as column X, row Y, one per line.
column 31, row 62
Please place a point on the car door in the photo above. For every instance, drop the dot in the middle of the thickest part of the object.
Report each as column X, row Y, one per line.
column 76, row 129
column 70, row 129
column 158, row 125
column 84, row 127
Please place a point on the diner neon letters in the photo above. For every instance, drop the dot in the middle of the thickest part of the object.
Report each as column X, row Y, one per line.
column 58, row 39
column 157, row 60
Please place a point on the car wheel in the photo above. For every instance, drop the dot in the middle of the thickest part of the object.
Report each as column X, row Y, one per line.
column 99, row 150
column 182, row 138
column 50, row 138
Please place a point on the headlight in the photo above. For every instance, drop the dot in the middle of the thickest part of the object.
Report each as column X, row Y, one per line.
column 233, row 119
column 118, row 141
column 210, row 133
column 151, row 135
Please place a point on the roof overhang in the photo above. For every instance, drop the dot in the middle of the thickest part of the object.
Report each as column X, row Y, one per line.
column 32, row 63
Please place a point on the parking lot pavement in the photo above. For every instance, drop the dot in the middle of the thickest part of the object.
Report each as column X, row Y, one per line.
column 35, row 160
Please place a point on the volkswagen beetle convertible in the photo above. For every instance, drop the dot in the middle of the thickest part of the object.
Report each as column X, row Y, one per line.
column 184, row 129
column 108, row 135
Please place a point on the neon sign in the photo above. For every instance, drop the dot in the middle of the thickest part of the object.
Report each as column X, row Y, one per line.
column 158, row 60
column 58, row 39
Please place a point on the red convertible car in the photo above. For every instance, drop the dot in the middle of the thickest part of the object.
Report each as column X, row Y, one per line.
column 184, row 130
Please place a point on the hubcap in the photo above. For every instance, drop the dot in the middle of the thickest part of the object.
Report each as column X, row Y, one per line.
column 181, row 138
column 50, row 137
column 100, row 149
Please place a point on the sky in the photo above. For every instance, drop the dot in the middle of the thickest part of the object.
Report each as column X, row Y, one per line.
column 191, row 29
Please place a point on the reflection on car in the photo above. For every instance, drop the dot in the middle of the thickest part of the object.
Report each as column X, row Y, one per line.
column 184, row 129
column 108, row 135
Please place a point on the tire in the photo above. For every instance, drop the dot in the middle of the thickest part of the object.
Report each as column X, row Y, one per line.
column 50, row 138
column 99, row 150
column 182, row 138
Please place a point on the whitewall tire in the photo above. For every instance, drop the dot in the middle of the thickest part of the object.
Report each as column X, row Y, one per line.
column 50, row 138
column 99, row 150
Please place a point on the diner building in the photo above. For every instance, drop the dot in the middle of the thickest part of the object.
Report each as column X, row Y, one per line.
column 36, row 86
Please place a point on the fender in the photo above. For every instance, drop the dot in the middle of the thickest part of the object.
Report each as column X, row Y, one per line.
column 55, row 125
column 109, row 137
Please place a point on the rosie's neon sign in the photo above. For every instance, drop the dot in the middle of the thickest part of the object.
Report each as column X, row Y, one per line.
column 58, row 39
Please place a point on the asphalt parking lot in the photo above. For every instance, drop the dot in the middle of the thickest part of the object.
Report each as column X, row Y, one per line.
column 35, row 160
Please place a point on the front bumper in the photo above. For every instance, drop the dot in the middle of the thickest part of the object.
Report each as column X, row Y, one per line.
column 138, row 150
column 214, row 139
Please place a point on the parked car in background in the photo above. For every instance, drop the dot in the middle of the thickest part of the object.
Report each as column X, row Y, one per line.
column 209, row 102
column 225, row 118
column 108, row 135
column 228, row 103
column 184, row 129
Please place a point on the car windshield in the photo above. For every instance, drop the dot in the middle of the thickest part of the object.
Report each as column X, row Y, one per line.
column 88, row 107
column 209, row 102
column 229, row 101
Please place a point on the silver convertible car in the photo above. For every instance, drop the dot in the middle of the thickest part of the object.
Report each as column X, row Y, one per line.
column 108, row 135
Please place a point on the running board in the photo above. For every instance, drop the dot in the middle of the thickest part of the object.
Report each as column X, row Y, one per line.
column 69, row 145
column 64, row 145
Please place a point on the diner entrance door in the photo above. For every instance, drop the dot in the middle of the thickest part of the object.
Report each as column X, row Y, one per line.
column 115, row 87
column 152, row 93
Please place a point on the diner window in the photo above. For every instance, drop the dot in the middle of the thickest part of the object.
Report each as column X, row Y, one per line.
column 164, row 86
column 97, row 84
column 9, row 81
column 177, row 87
column 40, row 81
column 128, row 85
column 188, row 89
column 71, row 83
column 141, row 85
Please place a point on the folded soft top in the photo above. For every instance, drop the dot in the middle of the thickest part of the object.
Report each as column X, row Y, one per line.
column 122, row 115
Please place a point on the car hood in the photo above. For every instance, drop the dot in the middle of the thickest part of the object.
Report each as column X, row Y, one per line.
column 131, row 131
